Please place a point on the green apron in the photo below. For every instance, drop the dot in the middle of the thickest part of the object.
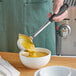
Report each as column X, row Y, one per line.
column 27, row 16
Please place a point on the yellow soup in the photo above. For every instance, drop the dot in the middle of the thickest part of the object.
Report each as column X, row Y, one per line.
column 35, row 54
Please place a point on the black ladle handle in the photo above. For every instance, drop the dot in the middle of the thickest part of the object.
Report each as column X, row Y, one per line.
column 62, row 10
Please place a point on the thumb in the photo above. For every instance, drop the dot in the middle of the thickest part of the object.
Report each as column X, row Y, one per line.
column 56, row 8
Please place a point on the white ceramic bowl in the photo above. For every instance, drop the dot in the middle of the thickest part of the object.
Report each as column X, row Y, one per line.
column 55, row 71
column 37, row 62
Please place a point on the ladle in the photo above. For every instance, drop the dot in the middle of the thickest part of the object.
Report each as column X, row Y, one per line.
column 62, row 10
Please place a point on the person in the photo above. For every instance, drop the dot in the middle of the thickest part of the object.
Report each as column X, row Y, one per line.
column 36, row 15
column 26, row 17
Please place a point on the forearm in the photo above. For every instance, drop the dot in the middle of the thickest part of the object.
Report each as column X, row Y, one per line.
column 70, row 2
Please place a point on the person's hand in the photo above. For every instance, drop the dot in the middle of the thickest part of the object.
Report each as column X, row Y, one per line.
column 56, row 6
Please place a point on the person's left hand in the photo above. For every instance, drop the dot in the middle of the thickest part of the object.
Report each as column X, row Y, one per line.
column 61, row 17
column 56, row 6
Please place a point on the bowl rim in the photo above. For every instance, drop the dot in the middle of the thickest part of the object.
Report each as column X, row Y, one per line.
column 64, row 67
column 49, row 54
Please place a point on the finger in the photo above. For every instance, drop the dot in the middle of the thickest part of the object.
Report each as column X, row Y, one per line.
column 56, row 6
column 61, row 17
